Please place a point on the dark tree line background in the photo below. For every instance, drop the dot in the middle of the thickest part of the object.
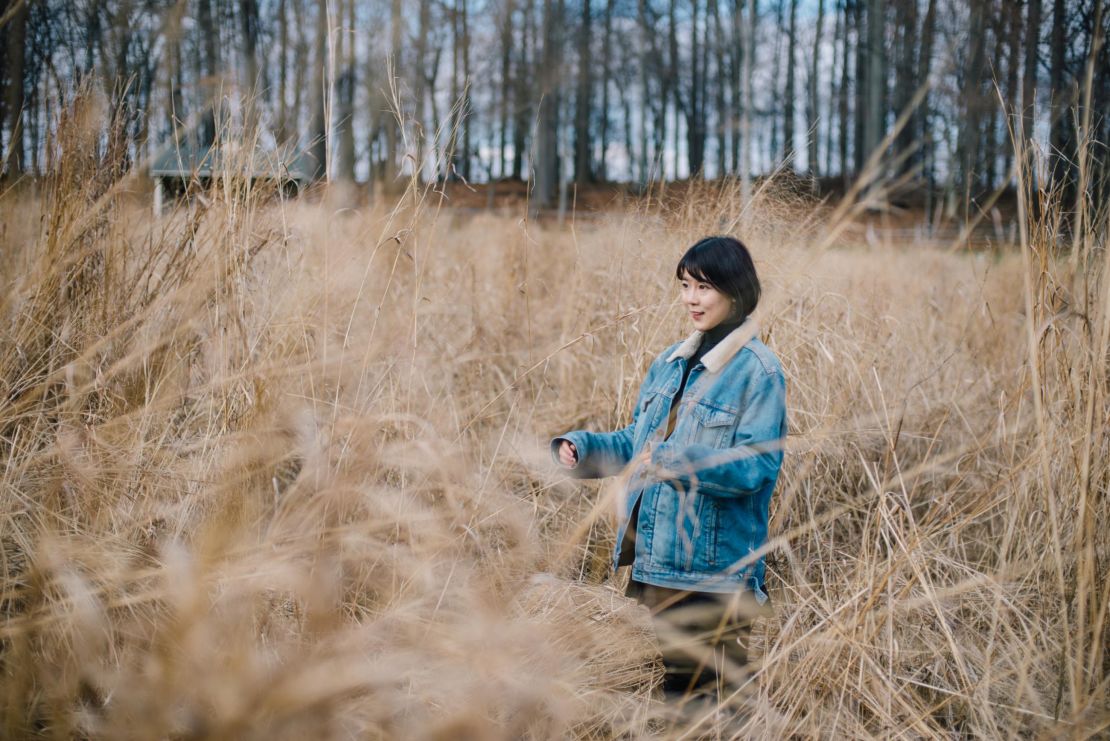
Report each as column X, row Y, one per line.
column 583, row 91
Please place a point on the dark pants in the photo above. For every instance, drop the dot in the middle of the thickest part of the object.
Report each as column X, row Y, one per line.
column 703, row 637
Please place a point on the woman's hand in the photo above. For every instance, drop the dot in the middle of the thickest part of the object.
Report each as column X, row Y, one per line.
column 568, row 454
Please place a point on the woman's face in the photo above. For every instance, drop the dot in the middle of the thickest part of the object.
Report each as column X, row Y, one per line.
column 706, row 306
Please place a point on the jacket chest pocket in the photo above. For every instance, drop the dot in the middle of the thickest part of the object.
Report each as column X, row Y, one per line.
column 711, row 426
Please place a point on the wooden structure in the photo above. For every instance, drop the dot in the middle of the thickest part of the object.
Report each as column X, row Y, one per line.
column 177, row 166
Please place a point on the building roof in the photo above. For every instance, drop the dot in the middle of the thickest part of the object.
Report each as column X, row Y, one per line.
column 186, row 159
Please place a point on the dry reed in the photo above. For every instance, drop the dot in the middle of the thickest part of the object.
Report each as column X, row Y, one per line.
column 275, row 469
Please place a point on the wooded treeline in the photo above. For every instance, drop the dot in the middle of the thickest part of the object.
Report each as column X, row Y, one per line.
column 582, row 90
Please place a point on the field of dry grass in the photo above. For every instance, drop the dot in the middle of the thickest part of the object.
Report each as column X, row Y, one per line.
column 279, row 470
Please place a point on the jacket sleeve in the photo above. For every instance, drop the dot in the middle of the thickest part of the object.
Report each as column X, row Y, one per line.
column 602, row 454
column 753, row 460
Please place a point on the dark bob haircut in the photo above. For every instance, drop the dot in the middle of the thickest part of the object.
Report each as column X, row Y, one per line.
column 725, row 264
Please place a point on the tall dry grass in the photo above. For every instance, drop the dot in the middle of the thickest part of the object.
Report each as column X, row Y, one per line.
column 278, row 469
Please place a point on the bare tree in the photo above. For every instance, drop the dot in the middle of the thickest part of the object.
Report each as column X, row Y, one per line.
column 746, row 116
column 968, row 146
column 1061, row 93
column 874, row 110
column 677, row 85
column 317, row 128
column 836, row 91
column 606, row 77
column 522, row 92
column 389, row 120
column 546, row 146
column 250, row 23
column 815, row 65
column 722, row 87
column 791, row 92
column 15, row 39
column 207, row 64
column 467, row 107
column 345, row 93
column 422, row 86
column 582, row 169
column 506, row 87
column 1032, row 56
column 176, row 112
column 905, row 72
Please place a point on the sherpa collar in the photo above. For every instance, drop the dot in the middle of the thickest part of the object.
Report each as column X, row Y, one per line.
column 716, row 358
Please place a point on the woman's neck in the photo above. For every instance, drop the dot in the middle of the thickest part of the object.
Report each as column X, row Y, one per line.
column 719, row 332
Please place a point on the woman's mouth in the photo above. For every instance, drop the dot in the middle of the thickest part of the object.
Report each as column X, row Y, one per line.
column 697, row 314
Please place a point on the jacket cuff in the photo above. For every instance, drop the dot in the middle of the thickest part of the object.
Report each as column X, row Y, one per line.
column 575, row 440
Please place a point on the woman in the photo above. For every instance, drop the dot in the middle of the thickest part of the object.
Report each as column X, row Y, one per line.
column 703, row 453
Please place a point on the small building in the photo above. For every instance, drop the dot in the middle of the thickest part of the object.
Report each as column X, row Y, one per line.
column 185, row 162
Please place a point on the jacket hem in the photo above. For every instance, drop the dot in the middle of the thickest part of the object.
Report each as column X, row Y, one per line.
column 700, row 582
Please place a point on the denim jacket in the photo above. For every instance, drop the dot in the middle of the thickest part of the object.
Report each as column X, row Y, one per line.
column 704, row 495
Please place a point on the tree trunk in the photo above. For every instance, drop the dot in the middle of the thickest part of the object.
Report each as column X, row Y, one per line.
column 875, row 109
column 301, row 68
column 774, row 151
column 430, row 140
column 845, row 79
column 371, row 84
column 176, row 115
column 249, row 23
column 989, row 131
column 546, row 150
column 582, row 174
column 451, row 162
column 523, row 108
column 737, row 68
column 673, row 84
column 390, row 117
column 813, row 122
column 648, row 35
column 1029, row 75
column 467, row 113
column 421, row 88
column 695, row 111
column 860, row 77
column 207, row 67
column 924, row 127
column 1013, row 64
column 703, row 94
column 721, row 85
column 282, row 128
column 626, row 110
column 506, row 84
column 839, row 59
column 654, row 62
column 317, row 129
column 1060, row 91
column 746, row 113
column 606, row 74
column 967, row 147
column 906, row 76
column 346, row 95
column 924, row 71
column 788, row 98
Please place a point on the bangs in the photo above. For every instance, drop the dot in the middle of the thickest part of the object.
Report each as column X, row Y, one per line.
column 697, row 263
